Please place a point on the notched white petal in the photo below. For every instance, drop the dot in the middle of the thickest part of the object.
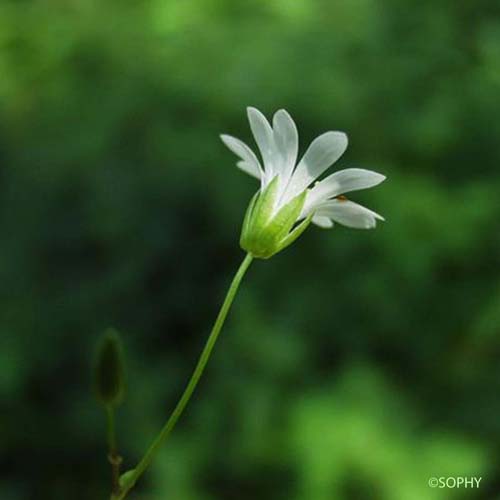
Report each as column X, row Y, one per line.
column 286, row 138
column 349, row 214
column 249, row 169
column 263, row 134
column 344, row 181
column 323, row 222
column 323, row 152
column 239, row 148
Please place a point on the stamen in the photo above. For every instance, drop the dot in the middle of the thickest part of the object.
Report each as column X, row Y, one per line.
column 341, row 198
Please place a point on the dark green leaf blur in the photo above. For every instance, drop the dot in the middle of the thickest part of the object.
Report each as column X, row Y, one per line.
column 355, row 364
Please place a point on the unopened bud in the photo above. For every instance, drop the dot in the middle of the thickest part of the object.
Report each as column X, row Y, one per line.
column 109, row 369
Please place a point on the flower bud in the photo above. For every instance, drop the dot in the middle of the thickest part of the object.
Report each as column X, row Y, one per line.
column 265, row 232
column 109, row 369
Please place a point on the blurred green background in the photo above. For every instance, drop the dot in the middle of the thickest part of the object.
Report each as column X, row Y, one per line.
column 354, row 365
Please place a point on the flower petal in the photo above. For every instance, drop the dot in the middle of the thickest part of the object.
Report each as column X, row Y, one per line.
column 249, row 169
column 323, row 151
column 263, row 134
column 343, row 181
column 323, row 222
column 251, row 163
column 286, row 139
column 349, row 214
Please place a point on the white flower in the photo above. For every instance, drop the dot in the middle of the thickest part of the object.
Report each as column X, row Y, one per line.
column 287, row 185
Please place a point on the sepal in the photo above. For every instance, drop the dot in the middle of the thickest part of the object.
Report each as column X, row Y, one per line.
column 264, row 232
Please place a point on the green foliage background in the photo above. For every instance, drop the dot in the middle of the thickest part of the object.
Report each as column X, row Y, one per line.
column 354, row 365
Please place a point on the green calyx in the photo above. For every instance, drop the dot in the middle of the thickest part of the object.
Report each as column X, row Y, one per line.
column 263, row 233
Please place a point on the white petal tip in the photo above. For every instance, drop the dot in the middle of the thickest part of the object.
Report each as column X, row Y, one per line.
column 322, row 222
column 372, row 224
column 337, row 136
column 340, row 134
column 282, row 112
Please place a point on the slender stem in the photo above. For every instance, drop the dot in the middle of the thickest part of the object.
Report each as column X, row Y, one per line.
column 193, row 381
column 111, row 432
column 114, row 458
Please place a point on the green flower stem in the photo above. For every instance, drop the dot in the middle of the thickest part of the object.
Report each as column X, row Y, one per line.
column 193, row 381
column 111, row 432
column 114, row 458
